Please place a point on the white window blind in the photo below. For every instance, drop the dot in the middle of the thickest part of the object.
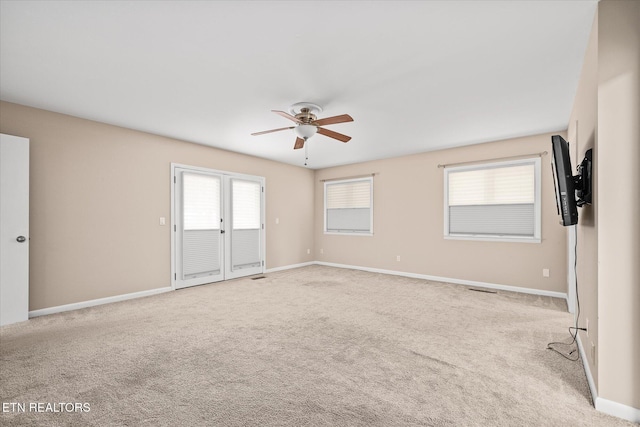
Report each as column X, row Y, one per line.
column 495, row 200
column 201, row 201
column 348, row 206
column 245, row 204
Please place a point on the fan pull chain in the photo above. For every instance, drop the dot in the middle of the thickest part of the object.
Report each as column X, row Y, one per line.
column 306, row 152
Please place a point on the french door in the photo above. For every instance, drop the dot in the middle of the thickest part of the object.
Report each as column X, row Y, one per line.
column 244, row 229
column 218, row 226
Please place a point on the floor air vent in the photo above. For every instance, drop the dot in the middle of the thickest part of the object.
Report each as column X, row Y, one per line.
column 483, row 290
column 259, row 277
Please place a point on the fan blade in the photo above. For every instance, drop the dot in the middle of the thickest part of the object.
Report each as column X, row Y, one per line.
column 333, row 120
column 334, row 135
column 287, row 116
column 272, row 130
column 299, row 143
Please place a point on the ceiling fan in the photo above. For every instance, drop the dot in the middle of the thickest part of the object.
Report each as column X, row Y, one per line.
column 307, row 124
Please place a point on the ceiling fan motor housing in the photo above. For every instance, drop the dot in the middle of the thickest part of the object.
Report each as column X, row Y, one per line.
column 305, row 111
column 306, row 116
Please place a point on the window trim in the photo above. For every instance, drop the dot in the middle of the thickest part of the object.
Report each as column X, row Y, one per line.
column 537, row 230
column 343, row 181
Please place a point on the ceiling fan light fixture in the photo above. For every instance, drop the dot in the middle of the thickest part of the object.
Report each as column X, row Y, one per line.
column 305, row 131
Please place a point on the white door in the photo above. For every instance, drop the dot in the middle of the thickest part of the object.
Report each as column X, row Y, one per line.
column 14, row 229
column 218, row 226
column 199, row 245
column 244, row 236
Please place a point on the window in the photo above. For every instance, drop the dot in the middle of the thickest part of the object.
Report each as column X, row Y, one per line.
column 349, row 206
column 493, row 201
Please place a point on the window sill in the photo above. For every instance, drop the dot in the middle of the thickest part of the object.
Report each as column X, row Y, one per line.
column 335, row 233
column 514, row 239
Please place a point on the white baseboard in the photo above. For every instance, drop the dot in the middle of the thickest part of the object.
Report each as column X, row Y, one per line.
column 619, row 410
column 450, row 280
column 587, row 371
column 116, row 298
column 605, row 405
column 99, row 301
column 289, row 267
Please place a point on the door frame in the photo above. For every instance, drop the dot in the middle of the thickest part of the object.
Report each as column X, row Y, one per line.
column 225, row 175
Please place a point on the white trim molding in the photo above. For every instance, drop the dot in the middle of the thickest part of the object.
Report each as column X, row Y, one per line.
column 289, row 267
column 99, row 301
column 450, row 280
column 619, row 410
column 133, row 295
column 587, row 371
column 601, row 404
column 116, row 298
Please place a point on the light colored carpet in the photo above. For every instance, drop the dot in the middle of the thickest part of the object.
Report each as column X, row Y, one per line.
column 311, row 346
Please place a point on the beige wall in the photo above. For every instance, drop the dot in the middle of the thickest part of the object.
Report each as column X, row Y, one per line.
column 582, row 134
column 606, row 117
column 409, row 221
column 619, row 201
column 98, row 191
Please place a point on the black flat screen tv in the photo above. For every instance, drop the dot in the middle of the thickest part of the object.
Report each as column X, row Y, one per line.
column 567, row 186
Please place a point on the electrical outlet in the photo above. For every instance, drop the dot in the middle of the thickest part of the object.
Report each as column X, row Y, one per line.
column 277, row 220
column 593, row 353
column 398, row 258
column 321, row 250
column 308, row 251
column 162, row 220
column 586, row 326
column 545, row 272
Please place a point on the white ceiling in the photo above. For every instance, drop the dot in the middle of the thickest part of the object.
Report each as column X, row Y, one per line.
column 416, row 76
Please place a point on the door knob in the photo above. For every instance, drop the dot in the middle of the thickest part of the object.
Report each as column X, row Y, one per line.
column 21, row 239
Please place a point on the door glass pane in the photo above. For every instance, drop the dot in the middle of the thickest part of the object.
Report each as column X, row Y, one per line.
column 246, row 205
column 245, row 217
column 201, row 242
column 201, row 202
